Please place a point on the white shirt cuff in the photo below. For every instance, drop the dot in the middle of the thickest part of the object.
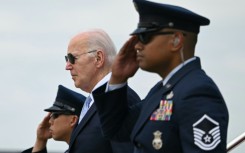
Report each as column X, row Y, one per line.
column 110, row 87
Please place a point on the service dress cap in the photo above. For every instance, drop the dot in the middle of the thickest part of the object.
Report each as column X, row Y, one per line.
column 155, row 16
column 67, row 101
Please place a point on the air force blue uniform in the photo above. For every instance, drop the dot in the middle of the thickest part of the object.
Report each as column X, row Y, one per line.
column 187, row 114
column 194, row 117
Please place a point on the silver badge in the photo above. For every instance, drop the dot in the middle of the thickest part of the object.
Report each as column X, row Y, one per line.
column 157, row 141
column 168, row 85
column 170, row 95
column 206, row 133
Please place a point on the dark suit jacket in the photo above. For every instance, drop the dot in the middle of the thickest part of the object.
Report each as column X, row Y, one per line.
column 41, row 151
column 187, row 115
column 30, row 150
column 87, row 137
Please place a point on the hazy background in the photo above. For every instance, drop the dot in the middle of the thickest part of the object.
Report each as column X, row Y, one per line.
column 33, row 42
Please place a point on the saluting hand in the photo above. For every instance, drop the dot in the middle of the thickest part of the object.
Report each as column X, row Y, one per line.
column 43, row 134
column 125, row 64
column 43, row 128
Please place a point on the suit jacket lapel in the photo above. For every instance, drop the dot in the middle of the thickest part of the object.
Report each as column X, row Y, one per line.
column 80, row 126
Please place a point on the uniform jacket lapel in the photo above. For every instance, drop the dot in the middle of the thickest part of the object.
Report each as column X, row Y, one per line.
column 152, row 101
column 150, row 104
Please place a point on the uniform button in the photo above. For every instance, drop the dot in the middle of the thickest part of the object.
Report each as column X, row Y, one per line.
column 138, row 145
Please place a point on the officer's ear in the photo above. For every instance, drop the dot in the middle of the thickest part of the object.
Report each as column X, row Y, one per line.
column 177, row 41
column 73, row 121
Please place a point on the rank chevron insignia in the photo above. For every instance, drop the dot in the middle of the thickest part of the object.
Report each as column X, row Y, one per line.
column 206, row 133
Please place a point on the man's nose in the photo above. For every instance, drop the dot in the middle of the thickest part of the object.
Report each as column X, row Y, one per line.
column 68, row 65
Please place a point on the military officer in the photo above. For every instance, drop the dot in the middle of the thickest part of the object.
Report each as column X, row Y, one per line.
column 60, row 121
column 185, row 111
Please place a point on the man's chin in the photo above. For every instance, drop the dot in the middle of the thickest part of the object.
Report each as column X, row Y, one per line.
column 145, row 68
column 76, row 85
column 56, row 138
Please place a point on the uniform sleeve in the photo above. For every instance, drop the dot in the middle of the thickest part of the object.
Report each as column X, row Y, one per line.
column 203, row 120
column 116, row 116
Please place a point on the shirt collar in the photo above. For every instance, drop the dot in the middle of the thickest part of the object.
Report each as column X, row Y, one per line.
column 176, row 69
column 100, row 83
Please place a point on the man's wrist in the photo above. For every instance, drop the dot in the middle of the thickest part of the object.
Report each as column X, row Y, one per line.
column 111, row 87
column 39, row 145
column 117, row 80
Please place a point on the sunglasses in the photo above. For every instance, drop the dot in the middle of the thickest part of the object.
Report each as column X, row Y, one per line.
column 71, row 58
column 55, row 115
column 145, row 38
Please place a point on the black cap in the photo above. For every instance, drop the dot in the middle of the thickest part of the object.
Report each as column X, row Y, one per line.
column 155, row 16
column 67, row 101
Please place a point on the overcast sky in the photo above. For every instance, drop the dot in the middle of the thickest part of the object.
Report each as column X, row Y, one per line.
column 33, row 41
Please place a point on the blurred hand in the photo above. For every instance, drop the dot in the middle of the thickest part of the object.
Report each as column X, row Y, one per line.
column 125, row 64
column 43, row 134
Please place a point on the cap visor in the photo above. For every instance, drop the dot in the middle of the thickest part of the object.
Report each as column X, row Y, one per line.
column 138, row 31
column 144, row 30
column 54, row 109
